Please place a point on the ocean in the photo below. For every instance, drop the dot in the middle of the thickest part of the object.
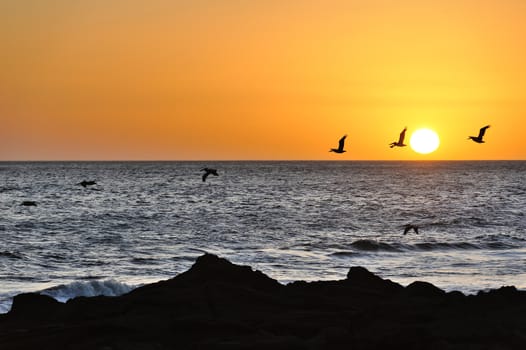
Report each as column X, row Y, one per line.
column 148, row 221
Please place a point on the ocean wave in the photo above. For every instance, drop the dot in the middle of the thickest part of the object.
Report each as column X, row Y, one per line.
column 501, row 237
column 372, row 245
column 11, row 255
column 5, row 304
column 65, row 292
column 499, row 245
column 110, row 287
column 345, row 254
column 8, row 189
column 446, row 246
column 144, row 261
column 464, row 246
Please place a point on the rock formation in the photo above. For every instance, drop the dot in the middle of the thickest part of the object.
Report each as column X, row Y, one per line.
column 220, row 305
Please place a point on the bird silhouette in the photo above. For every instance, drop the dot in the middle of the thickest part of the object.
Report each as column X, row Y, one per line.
column 341, row 144
column 478, row 139
column 29, row 203
column 85, row 183
column 408, row 227
column 400, row 142
column 209, row 171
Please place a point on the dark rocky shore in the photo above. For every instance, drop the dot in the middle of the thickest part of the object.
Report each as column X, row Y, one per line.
column 219, row 305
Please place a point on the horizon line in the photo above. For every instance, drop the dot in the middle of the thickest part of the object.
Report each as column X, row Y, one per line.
column 250, row 160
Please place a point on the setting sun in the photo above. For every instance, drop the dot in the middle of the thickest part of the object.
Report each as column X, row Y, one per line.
column 424, row 141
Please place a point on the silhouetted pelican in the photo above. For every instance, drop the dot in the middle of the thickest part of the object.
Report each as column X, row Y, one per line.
column 341, row 144
column 400, row 142
column 478, row 139
column 408, row 227
column 29, row 203
column 209, row 171
column 87, row 183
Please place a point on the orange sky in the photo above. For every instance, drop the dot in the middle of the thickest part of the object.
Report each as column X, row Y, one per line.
column 269, row 79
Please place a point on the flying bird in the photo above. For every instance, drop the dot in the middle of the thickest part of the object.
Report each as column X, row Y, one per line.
column 209, row 171
column 341, row 144
column 87, row 183
column 408, row 228
column 478, row 139
column 29, row 203
column 400, row 142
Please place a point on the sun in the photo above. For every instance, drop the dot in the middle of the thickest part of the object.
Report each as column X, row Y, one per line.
column 424, row 141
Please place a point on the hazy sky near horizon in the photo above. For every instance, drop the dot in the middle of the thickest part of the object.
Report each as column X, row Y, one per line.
column 232, row 79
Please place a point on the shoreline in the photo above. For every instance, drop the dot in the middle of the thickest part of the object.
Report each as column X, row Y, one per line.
column 219, row 305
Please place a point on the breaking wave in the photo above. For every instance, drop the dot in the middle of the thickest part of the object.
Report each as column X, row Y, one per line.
column 64, row 292
column 110, row 287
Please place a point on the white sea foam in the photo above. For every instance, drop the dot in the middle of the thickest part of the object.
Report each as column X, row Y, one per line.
column 5, row 304
column 68, row 291
column 65, row 292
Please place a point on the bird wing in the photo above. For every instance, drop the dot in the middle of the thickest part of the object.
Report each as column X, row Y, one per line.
column 205, row 175
column 341, row 143
column 483, row 131
column 406, row 229
column 402, row 136
column 415, row 228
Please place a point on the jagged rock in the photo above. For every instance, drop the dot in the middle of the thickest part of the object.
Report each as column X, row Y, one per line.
column 361, row 277
column 211, row 268
column 220, row 305
column 423, row 289
column 33, row 306
column 506, row 292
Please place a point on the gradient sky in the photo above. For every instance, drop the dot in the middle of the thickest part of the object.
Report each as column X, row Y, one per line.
column 233, row 79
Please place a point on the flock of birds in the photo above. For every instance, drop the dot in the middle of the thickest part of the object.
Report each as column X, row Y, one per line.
column 400, row 142
column 340, row 149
